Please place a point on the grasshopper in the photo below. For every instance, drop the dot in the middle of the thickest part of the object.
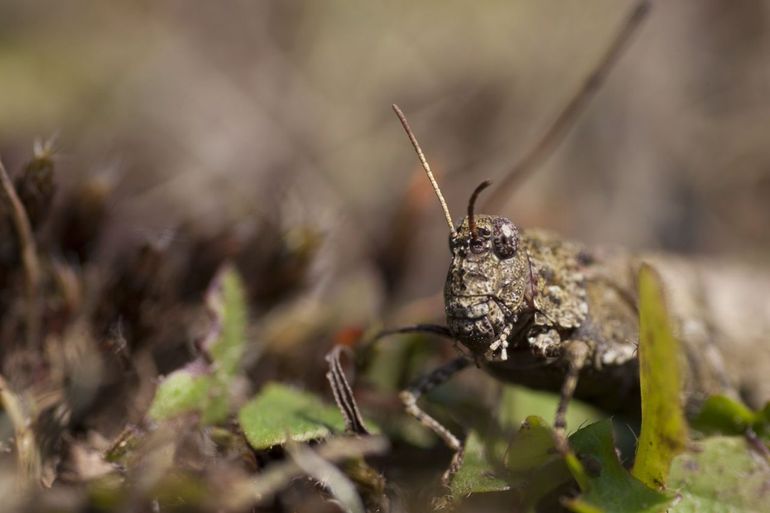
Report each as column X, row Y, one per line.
column 532, row 309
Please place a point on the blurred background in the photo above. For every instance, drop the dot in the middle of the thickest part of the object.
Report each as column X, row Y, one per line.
column 189, row 133
column 215, row 112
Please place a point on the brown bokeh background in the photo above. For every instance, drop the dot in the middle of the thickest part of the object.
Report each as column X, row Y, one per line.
column 213, row 112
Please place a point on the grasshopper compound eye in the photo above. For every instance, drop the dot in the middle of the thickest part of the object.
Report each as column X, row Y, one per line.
column 505, row 239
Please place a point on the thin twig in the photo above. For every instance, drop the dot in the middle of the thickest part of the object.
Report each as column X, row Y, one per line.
column 27, row 453
column 577, row 103
column 757, row 444
column 28, row 254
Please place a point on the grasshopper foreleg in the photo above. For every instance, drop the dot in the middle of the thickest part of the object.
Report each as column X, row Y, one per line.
column 433, row 329
column 501, row 342
column 424, row 385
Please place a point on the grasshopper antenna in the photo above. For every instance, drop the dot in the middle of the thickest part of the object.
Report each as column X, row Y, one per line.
column 472, row 204
column 425, row 166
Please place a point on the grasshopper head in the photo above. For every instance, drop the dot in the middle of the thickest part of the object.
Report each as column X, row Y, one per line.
column 486, row 280
column 484, row 291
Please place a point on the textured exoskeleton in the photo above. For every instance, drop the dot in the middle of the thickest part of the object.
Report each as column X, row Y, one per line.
column 518, row 299
column 536, row 310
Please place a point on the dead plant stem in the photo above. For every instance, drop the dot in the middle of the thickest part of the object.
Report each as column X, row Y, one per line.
column 28, row 252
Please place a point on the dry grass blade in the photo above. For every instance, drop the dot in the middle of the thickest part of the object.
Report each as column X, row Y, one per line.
column 332, row 478
column 28, row 254
column 566, row 118
column 343, row 394
column 276, row 476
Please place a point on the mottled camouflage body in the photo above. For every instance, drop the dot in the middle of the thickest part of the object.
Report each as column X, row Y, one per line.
column 517, row 299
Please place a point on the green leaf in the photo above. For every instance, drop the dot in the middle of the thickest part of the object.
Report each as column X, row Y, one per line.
column 609, row 487
column 664, row 430
column 723, row 475
column 200, row 387
column 280, row 413
column 179, row 393
column 477, row 474
column 531, row 466
column 518, row 403
column 216, row 408
column 527, row 464
column 183, row 391
column 532, row 446
column 535, row 467
column 723, row 415
column 227, row 302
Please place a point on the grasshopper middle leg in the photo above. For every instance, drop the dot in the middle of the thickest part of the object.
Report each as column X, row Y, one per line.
column 576, row 356
column 425, row 385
